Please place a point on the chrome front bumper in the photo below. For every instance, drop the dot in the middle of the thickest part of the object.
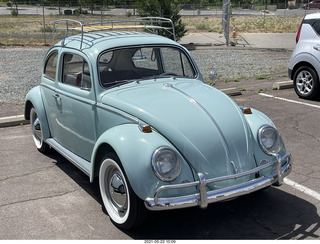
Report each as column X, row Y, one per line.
column 203, row 198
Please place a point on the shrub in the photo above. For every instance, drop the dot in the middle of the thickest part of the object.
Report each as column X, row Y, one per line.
column 166, row 9
column 14, row 12
column 68, row 12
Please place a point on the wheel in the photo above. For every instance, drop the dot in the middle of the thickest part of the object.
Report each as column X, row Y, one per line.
column 125, row 209
column 37, row 132
column 306, row 83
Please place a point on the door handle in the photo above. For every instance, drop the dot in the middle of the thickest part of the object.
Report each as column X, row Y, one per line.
column 56, row 96
column 316, row 48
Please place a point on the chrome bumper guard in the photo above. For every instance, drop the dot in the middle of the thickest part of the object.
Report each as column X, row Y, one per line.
column 203, row 198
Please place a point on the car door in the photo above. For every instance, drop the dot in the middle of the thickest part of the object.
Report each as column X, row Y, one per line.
column 71, row 105
column 315, row 49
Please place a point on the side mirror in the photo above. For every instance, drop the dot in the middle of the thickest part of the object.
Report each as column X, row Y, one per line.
column 212, row 76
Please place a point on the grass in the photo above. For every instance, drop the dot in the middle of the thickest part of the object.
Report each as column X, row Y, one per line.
column 25, row 30
column 245, row 24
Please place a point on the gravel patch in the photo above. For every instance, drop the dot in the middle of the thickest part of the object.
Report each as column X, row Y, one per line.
column 231, row 64
column 22, row 67
column 21, row 70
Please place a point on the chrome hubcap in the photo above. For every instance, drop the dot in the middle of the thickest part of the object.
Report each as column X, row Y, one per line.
column 304, row 82
column 117, row 192
column 37, row 129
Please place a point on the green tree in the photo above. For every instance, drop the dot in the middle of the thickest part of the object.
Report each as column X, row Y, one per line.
column 163, row 8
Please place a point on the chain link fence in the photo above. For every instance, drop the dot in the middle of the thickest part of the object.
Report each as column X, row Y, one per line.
column 74, row 8
column 37, row 27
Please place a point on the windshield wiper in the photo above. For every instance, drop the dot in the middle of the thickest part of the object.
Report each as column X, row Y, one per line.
column 121, row 82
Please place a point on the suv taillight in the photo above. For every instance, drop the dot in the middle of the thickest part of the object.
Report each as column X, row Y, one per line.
column 299, row 31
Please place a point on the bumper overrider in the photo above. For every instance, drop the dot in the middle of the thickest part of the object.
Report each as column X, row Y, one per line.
column 204, row 197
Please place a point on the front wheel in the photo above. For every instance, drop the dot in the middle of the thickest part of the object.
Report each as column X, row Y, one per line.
column 306, row 83
column 125, row 209
column 36, row 131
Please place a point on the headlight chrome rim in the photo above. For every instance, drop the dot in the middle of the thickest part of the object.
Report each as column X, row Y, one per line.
column 174, row 172
column 276, row 146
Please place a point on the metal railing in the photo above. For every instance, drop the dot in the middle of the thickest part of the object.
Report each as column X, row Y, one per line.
column 149, row 24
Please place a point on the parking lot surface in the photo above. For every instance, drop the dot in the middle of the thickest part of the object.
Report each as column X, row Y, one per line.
column 46, row 197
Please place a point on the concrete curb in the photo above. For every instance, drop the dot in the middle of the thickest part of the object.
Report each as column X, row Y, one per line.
column 280, row 85
column 13, row 121
column 232, row 91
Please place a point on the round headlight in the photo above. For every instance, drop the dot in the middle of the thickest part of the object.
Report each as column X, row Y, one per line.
column 269, row 139
column 166, row 164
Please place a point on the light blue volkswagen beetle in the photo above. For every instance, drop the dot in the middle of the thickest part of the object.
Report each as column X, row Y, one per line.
column 131, row 110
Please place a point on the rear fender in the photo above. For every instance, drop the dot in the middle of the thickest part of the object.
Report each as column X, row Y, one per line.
column 34, row 99
column 135, row 149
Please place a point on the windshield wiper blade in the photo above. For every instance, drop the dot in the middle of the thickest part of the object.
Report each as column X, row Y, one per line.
column 121, row 82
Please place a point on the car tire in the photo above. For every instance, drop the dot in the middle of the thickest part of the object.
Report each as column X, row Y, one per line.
column 125, row 209
column 306, row 83
column 37, row 132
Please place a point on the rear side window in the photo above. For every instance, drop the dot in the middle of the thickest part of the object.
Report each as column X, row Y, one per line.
column 76, row 71
column 316, row 26
column 50, row 68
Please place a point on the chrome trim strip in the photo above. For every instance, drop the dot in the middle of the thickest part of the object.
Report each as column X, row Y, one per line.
column 203, row 198
column 191, row 99
column 47, row 86
column 77, row 98
column 71, row 157
column 118, row 112
column 102, row 106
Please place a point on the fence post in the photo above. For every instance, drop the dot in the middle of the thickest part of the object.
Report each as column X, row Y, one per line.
column 44, row 24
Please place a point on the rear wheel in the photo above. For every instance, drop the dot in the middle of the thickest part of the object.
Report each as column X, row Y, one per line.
column 37, row 131
column 306, row 83
column 125, row 209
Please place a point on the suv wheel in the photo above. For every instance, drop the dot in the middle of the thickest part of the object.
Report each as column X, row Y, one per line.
column 306, row 82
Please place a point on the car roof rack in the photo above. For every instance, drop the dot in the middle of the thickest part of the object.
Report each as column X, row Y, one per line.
column 149, row 24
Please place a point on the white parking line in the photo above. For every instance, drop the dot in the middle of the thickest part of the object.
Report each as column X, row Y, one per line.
column 302, row 188
column 287, row 181
column 288, row 100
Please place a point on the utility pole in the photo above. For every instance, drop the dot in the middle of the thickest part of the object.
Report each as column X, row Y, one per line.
column 226, row 20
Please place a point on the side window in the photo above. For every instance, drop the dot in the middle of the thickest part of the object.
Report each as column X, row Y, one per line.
column 50, row 68
column 76, row 71
column 316, row 26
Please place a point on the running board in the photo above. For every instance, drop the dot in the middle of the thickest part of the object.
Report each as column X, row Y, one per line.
column 70, row 156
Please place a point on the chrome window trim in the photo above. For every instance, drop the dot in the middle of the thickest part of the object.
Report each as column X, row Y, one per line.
column 181, row 49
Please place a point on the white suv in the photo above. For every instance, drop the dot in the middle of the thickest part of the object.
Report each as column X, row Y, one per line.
column 304, row 67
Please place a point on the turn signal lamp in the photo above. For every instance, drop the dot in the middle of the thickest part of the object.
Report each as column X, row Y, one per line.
column 246, row 110
column 145, row 128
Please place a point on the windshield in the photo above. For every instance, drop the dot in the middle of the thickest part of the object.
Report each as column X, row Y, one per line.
column 125, row 65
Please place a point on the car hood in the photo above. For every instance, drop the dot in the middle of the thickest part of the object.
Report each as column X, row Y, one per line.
column 204, row 124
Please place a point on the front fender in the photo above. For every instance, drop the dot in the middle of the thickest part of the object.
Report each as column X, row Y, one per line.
column 135, row 149
column 256, row 120
column 34, row 99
